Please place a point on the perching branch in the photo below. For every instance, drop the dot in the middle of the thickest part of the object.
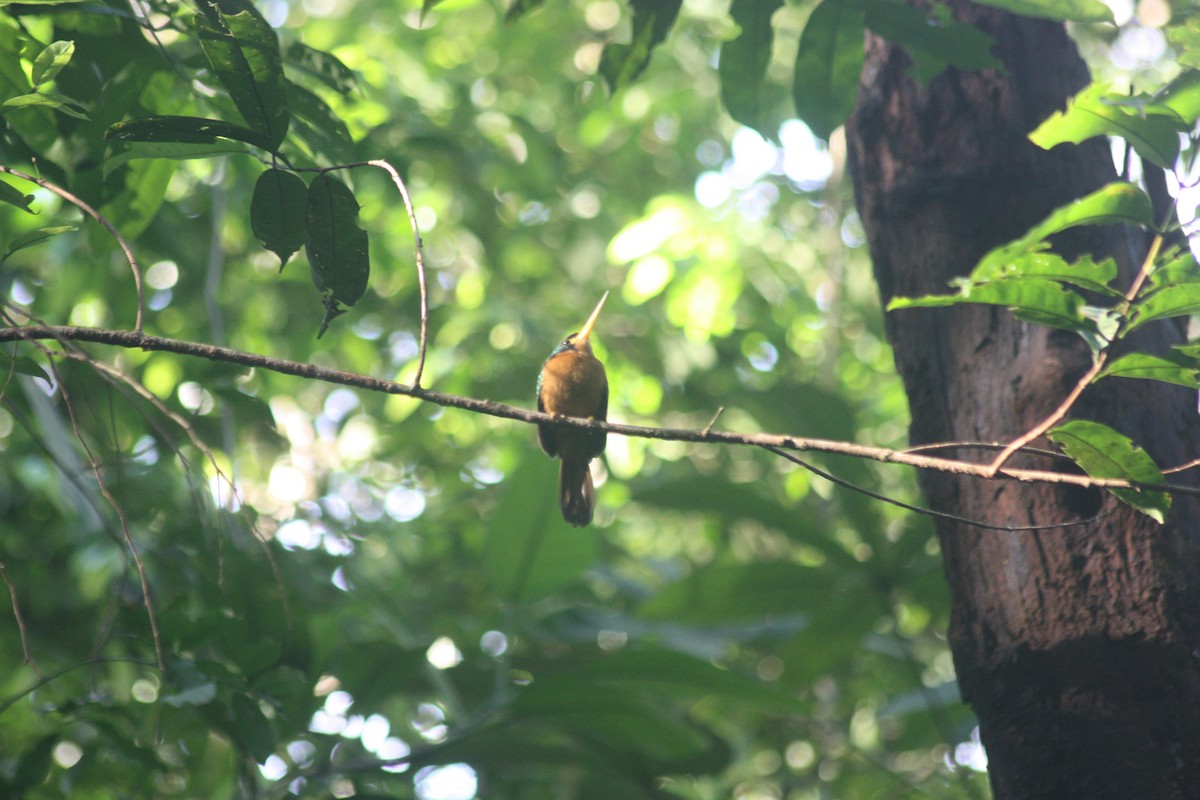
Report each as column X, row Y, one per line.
column 134, row 339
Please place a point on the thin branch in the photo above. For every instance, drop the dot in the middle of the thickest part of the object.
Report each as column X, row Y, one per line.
column 16, row 607
column 929, row 512
column 1097, row 365
column 108, row 226
column 133, row 339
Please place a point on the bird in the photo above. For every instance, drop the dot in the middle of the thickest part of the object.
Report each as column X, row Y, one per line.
column 573, row 383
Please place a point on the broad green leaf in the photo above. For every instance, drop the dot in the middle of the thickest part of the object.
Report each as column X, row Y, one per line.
column 1185, row 41
column 1175, row 368
column 133, row 207
column 1171, row 301
column 745, row 91
column 529, row 551
column 728, row 593
column 20, row 364
column 277, row 212
column 34, row 237
column 1034, row 299
column 934, row 42
column 184, row 130
column 33, row 766
column 243, row 51
column 1117, row 202
column 1182, row 96
column 620, row 64
column 58, row 102
column 323, row 66
column 15, row 197
column 1060, row 10
column 252, row 729
column 518, row 9
column 659, row 672
column 616, row 720
column 828, row 65
column 1006, row 263
column 51, row 61
column 316, row 124
column 1097, row 112
column 122, row 152
column 1104, row 453
column 337, row 247
column 1180, row 269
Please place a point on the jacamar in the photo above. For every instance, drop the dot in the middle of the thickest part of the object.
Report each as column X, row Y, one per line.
column 573, row 384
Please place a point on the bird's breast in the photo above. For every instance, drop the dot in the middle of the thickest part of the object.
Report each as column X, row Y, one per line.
column 572, row 384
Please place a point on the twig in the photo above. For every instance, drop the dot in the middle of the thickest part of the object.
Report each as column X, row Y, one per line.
column 420, row 257
column 133, row 339
column 16, row 607
column 1089, row 376
column 708, row 428
column 108, row 226
column 929, row 512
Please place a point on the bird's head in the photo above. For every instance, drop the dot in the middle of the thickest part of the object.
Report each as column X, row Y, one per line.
column 581, row 341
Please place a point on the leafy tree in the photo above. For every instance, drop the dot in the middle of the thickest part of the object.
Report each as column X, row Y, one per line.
column 242, row 561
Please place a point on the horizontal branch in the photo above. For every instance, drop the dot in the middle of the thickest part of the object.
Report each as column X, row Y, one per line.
column 134, row 339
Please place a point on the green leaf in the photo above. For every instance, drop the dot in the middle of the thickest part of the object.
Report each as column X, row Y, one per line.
column 34, row 765
column 315, row 123
column 138, row 195
column 51, row 61
column 934, row 42
column 121, row 153
column 529, row 551
column 518, row 9
column 620, row 64
column 1180, row 269
column 743, row 65
column 32, row 238
column 58, row 102
column 1010, row 262
column 1182, row 96
column 729, row 593
column 1171, row 301
column 1095, row 111
column 668, row 672
column 1118, row 202
column 20, row 364
column 337, row 247
column 184, row 130
column 1175, row 368
column 1060, row 10
column 252, row 729
column 828, row 65
column 1034, row 299
column 243, row 51
column 1104, row 453
column 277, row 212
column 325, row 67
column 15, row 197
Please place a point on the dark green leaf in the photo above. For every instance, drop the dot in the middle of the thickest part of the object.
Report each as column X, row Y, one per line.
column 620, row 64
column 21, row 364
column 243, row 51
column 252, row 729
column 828, row 65
column 529, row 550
column 337, row 247
column 323, row 66
column 1097, row 112
column 14, row 197
column 317, row 124
column 743, row 65
column 1182, row 96
column 34, row 765
column 51, row 61
column 1175, row 368
column 1104, row 453
column 933, row 43
column 1060, row 10
column 1171, row 301
column 277, row 212
column 1180, row 269
column 518, row 9
column 122, row 152
column 143, row 185
column 185, row 130
column 1034, row 299
column 1011, row 262
column 34, row 237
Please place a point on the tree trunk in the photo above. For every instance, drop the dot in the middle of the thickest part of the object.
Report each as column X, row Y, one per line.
column 1078, row 647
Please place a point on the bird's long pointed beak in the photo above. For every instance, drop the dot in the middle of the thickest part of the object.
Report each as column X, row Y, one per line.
column 586, row 330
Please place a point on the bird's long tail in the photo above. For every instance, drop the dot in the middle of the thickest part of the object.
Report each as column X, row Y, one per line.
column 576, row 494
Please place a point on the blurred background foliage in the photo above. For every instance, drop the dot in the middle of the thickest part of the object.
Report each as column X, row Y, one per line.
column 390, row 606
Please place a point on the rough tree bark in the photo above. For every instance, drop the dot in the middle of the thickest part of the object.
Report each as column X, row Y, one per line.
column 1079, row 647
